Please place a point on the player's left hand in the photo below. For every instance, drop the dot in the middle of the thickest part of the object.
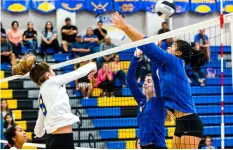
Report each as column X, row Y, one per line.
column 118, row 21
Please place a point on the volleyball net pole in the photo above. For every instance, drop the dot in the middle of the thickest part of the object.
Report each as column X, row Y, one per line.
column 222, row 74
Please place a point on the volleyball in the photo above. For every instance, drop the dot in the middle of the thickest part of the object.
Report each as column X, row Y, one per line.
column 165, row 8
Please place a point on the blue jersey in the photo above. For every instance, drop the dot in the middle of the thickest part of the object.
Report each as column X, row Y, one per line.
column 174, row 85
column 151, row 113
column 201, row 39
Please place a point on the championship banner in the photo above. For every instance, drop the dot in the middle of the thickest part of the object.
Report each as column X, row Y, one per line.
column 182, row 6
column 148, row 5
column 227, row 6
column 16, row 5
column 99, row 6
column 203, row 6
column 127, row 7
column 73, row 5
column 45, row 6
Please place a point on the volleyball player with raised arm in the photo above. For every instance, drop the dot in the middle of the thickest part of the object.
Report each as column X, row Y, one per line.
column 55, row 115
column 174, row 85
column 151, row 107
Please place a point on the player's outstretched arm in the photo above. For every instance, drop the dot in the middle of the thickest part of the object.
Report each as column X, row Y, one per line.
column 152, row 51
column 131, row 80
column 83, row 71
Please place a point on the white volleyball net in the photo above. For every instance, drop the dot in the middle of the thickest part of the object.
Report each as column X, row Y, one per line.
column 108, row 111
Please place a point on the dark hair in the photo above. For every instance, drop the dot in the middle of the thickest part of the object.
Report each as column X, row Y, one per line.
column 37, row 71
column 100, row 22
column 46, row 29
column 164, row 23
column 10, row 133
column 12, row 24
column 196, row 58
column 7, row 104
column 136, row 143
column 6, row 123
column 28, row 25
column 209, row 137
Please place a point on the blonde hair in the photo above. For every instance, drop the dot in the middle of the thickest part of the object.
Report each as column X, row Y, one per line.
column 37, row 71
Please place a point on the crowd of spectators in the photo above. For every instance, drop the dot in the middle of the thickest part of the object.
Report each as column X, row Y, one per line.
column 109, row 66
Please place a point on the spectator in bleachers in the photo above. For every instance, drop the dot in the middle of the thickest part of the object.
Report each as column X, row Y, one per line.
column 104, row 46
column 105, row 80
column 15, row 38
column 163, row 30
column 197, row 72
column 100, row 32
column 79, row 48
column 16, row 137
column 117, row 69
column 8, row 121
column 201, row 40
column 69, row 32
column 49, row 38
column 3, row 31
column 4, row 108
column 137, row 144
column 84, row 85
column 208, row 143
column 7, row 55
column 30, row 38
column 91, row 40
column 167, row 43
column 142, row 69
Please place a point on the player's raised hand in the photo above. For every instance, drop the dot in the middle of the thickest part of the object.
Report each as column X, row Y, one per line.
column 138, row 53
column 118, row 21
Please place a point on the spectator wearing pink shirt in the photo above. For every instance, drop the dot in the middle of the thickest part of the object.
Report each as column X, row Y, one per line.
column 105, row 80
column 15, row 37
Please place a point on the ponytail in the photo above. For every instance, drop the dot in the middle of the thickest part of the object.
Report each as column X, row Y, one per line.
column 25, row 65
column 199, row 58
column 196, row 58
column 37, row 71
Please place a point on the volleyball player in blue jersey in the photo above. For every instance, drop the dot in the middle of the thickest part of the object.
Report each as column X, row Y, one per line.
column 151, row 107
column 174, row 85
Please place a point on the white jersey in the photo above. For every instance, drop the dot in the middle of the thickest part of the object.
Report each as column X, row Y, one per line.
column 55, row 111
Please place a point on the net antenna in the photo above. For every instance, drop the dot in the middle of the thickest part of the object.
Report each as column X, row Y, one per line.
column 222, row 74
column 192, row 28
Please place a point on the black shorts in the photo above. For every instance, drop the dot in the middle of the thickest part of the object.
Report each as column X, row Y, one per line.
column 152, row 146
column 60, row 141
column 190, row 125
column 5, row 59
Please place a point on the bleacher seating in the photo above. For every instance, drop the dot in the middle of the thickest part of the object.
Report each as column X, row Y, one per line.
column 112, row 121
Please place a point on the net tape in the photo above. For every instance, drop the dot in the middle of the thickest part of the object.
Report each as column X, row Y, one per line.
column 205, row 24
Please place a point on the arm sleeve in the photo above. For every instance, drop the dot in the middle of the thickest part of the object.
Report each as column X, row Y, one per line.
column 131, row 80
column 39, row 129
column 74, row 75
column 155, row 53
column 196, row 40
column 154, row 67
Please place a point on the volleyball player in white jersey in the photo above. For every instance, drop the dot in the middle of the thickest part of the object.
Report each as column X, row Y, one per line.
column 55, row 115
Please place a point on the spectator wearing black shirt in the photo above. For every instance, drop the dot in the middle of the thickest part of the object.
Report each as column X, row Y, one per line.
column 30, row 38
column 7, row 55
column 68, row 34
column 100, row 32
column 3, row 31
column 163, row 30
